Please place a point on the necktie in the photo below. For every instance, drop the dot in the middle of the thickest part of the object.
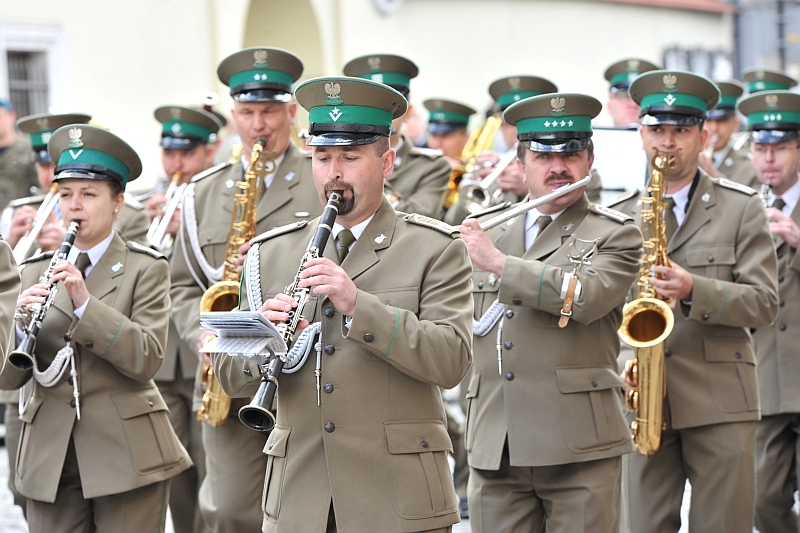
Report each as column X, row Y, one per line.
column 83, row 262
column 779, row 204
column 543, row 221
column 345, row 238
column 669, row 217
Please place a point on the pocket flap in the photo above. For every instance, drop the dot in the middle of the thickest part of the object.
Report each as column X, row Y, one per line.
column 213, row 234
column 139, row 402
column 417, row 437
column 483, row 281
column 474, row 384
column 405, row 298
column 587, row 379
column 276, row 443
column 711, row 254
column 719, row 350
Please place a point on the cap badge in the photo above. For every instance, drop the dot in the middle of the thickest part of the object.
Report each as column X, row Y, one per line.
column 514, row 83
column 175, row 113
column 75, row 138
column 176, row 128
column 670, row 83
column 669, row 99
column 333, row 90
column 760, row 75
column 116, row 267
column 374, row 63
column 633, row 64
column 335, row 114
column 261, row 58
column 43, row 123
column 772, row 101
column 557, row 104
column 706, row 197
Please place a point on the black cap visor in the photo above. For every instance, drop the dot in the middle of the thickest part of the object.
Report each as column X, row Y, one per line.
column 720, row 113
column 171, row 142
column 341, row 138
column 773, row 136
column 555, row 143
column 443, row 128
column 86, row 172
column 670, row 118
column 262, row 92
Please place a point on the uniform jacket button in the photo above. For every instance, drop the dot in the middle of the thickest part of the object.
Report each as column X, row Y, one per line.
column 710, row 258
column 782, row 327
column 705, row 316
column 594, row 384
column 480, row 284
column 517, row 301
column 72, row 402
column 667, row 353
column 780, row 278
column 328, row 387
column 781, row 302
column 150, row 403
column 330, row 427
column 780, row 255
column 509, row 313
column 738, row 355
column 423, row 443
column 508, row 345
column 368, row 337
column 510, row 376
column 271, row 446
column 89, row 344
column 70, row 380
column 330, row 349
column 329, row 312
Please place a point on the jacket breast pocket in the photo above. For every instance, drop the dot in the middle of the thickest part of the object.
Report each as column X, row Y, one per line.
column 591, row 408
column 472, row 407
column 403, row 297
column 276, row 469
column 732, row 374
column 485, row 287
column 152, row 442
column 712, row 260
column 422, row 486
column 213, row 240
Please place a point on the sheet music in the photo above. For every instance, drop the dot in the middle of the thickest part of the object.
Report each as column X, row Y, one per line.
column 242, row 334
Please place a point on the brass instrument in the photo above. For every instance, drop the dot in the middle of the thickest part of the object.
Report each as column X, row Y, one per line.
column 258, row 414
column 475, row 196
column 42, row 214
column 764, row 193
column 647, row 321
column 224, row 295
column 480, row 140
column 708, row 149
column 524, row 207
column 157, row 233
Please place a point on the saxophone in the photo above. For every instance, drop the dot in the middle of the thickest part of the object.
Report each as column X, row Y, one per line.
column 224, row 295
column 647, row 321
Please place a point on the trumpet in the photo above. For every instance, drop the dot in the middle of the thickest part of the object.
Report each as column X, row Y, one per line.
column 258, row 414
column 157, row 234
column 479, row 141
column 42, row 214
column 475, row 196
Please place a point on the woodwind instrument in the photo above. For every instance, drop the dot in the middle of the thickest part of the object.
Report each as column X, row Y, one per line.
column 42, row 214
column 224, row 295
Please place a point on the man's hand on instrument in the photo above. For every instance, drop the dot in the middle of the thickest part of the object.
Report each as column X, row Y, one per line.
column 677, row 283
column 52, row 235
column 21, row 223
column 35, row 294
column 485, row 163
column 483, row 253
column 512, row 179
column 175, row 223
column 276, row 310
column 783, row 226
column 243, row 249
column 155, row 205
column 72, row 278
column 202, row 340
column 330, row 279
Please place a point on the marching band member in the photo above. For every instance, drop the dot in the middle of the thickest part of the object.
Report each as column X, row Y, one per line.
column 392, row 299
column 447, row 127
column 623, row 110
column 545, row 429
column 97, row 450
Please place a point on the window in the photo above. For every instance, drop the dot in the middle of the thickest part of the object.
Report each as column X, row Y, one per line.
column 27, row 82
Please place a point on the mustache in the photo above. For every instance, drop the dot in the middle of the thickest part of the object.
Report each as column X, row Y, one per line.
column 562, row 176
column 337, row 186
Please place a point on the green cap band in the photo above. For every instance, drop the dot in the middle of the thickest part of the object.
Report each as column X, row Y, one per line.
column 388, row 78
column 440, row 115
column 41, row 138
column 87, row 156
column 581, row 123
column 727, row 100
column 350, row 114
column 509, row 98
column 623, row 77
column 177, row 127
column 674, row 99
column 259, row 76
column 762, row 85
column 763, row 117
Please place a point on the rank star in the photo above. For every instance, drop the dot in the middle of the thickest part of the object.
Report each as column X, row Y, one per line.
column 262, row 77
column 546, row 123
column 570, row 123
column 563, row 123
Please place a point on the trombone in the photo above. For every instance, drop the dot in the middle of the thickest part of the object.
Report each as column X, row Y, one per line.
column 42, row 214
column 157, row 234
column 479, row 140
column 475, row 196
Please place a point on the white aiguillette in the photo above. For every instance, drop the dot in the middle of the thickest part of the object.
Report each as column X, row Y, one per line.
column 242, row 334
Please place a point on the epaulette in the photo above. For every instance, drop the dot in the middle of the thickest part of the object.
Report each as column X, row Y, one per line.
column 600, row 209
column 430, row 153
column 209, row 171
column 730, row 184
column 432, row 223
column 740, row 142
column 37, row 257
column 19, row 202
column 136, row 247
column 622, row 197
column 489, row 210
column 280, row 230
column 130, row 201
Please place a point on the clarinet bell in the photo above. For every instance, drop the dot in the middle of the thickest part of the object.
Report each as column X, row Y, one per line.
column 257, row 414
column 21, row 358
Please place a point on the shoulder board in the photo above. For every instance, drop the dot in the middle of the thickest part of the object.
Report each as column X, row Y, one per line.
column 600, row 209
column 280, row 230
column 427, row 152
column 741, row 142
column 130, row 201
column 489, row 210
column 37, row 257
column 209, row 171
column 432, row 223
column 136, row 247
column 730, row 184
column 19, row 202
column 622, row 197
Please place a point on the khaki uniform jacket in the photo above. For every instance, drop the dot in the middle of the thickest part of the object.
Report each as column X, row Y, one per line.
column 420, row 176
column 17, row 172
column 557, row 398
column 291, row 197
column 377, row 443
column 724, row 242
column 123, row 440
column 776, row 345
column 737, row 164
column 9, row 290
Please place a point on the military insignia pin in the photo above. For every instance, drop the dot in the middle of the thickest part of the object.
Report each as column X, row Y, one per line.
column 261, row 58
column 229, row 184
column 558, row 104
column 633, row 65
column 289, row 176
column 117, row 266
column 374, row 63
column 760, row 75
column 75, row 138
column 333, row 90
column 43, row 123
column 567, row 227
column 380, row 238
column 176, row 128
column 670, row 83
column 514, row 83
column 175, row 113
column 771, row 101
column 706, row 197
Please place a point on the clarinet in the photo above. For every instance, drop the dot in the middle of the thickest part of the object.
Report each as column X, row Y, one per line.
column 22, row 357
column 258, row 415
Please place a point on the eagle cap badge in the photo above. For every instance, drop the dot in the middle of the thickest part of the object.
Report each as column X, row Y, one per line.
column 633, row 64
column 374, row 63
column 175, row 113
column 261, row 58
column 333, row 90
column 558, row 103
column 75, row 138
column 771, row 101
column 670, row 82
column 43, row 123
column 514, row 83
